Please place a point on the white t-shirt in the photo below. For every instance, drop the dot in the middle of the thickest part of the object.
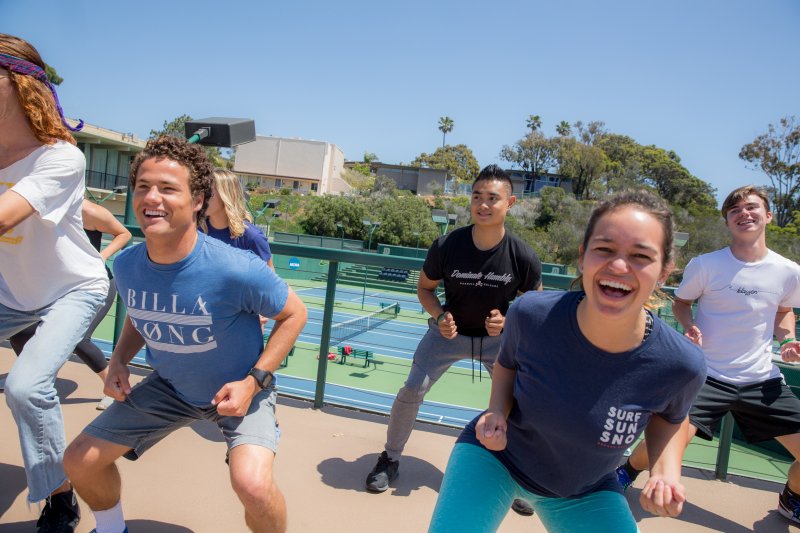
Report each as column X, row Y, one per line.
column 736, row 307
column 48, row 254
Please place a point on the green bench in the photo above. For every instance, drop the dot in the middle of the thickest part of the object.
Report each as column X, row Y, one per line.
column 355, row 353
column 285, row 361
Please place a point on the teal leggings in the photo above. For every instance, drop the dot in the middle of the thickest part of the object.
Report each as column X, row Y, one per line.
column 477, row 491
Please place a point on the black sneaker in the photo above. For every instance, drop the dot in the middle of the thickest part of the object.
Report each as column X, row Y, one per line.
column 61, row 514
column 384, row 473
column 789, row 507
column 521, row 507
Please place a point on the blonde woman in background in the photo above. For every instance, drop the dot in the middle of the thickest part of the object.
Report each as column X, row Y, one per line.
column 227, row 218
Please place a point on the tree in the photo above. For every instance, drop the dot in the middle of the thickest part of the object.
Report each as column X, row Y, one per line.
column 458, row 160
column 323, row 212
column 777, row 154
column 370, row 157
column 533, row 123
column 52, row 75
column 445, row 126
column 583, row 163
column 534, row 153
column 633, row 165
column 564, row 129
column 589, row 133
column 175, row 127
column 400, row 217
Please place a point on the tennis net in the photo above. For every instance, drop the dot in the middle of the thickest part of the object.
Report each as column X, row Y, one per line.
column 345, row 330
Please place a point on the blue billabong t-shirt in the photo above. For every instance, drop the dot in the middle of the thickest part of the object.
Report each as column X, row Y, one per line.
column 252, row 239
column 577, row 408
column 199, row 316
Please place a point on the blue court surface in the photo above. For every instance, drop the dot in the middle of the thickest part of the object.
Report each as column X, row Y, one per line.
column 397, row 337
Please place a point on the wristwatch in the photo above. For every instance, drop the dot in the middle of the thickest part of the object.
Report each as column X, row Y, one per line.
column 262, row 377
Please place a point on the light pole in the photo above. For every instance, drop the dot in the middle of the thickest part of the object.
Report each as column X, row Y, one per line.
column 341, row 229
column 416, row 251
column 373, row 225
column 275, row 214
column 451, row 221
column 443, row 219
column 268, row 204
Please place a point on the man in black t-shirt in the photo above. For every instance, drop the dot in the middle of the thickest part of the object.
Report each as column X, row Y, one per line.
column 483, row 268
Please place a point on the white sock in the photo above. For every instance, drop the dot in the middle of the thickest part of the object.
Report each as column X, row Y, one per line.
column 110, row 520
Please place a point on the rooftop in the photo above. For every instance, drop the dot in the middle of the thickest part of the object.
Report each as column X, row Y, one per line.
column 182, row 485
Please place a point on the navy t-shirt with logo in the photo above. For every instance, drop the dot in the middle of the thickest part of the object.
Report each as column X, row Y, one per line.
column 577, row 408
column 477, row 281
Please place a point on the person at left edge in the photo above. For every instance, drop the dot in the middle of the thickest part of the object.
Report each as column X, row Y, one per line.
column 49, row 272
column 195, row 303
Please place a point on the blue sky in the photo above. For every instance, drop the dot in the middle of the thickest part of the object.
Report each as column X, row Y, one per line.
column 701, row 77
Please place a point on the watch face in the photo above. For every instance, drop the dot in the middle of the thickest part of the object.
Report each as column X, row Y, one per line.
column 262, row 377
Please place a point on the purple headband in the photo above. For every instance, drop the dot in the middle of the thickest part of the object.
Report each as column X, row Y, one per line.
column 20, row 66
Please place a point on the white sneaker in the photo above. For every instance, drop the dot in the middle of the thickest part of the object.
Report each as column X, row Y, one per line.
column 104, row 402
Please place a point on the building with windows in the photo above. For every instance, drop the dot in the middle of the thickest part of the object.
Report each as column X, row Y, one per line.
column 108, row 155
column 304, row 166
column 108, row 161
column 422, row 181
column 529, row 184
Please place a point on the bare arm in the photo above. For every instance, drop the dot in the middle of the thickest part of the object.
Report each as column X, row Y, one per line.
column 97, row 217
column 491, row 427
column 117, row 383
column 785, row 329
column 663, row 494
column 682, row 309
column 13, row 210
column 288, row 325
column 234, row 398
column 426, row 293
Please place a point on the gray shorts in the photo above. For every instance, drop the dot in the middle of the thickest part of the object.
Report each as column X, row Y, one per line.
column 153, row 410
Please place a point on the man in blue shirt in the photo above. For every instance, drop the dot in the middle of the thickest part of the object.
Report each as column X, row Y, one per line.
column 195, row 303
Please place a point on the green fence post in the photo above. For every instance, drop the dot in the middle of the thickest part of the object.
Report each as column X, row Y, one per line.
column 325, row 336
column 130, row 220
column 724, row 449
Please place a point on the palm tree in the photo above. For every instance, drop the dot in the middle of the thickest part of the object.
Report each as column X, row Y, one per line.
column 563, row 128
column 445, row 126
column 534, row 122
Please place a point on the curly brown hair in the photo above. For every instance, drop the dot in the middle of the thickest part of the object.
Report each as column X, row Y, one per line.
column 33, row 95
column 191, row 156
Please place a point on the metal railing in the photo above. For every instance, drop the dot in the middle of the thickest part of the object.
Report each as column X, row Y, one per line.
column 103, row 180
column 329, row 264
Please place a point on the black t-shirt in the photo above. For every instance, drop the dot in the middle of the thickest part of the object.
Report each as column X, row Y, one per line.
column 477, row 281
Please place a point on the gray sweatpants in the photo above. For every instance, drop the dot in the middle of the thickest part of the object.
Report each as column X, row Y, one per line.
column 434, row 355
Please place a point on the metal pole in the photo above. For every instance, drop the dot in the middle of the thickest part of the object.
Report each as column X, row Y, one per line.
column 724, row 449
column 325, row 336
column 119, row 309
column 364, row 293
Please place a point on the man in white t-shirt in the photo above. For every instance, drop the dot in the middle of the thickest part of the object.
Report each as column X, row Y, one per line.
column 49, row 272
column 744, row 294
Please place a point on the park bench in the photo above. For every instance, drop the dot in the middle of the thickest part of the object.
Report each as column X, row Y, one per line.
column 285, row 361
column 356, row 353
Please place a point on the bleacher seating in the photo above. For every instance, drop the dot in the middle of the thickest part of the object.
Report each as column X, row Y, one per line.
column 399, row 275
